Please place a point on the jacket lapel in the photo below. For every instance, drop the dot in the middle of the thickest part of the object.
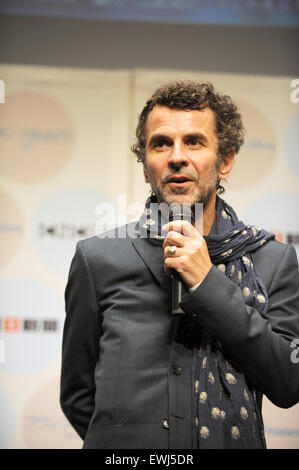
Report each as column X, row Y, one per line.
column 152, row 255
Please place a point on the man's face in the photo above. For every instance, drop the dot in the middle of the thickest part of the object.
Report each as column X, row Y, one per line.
column 181, row 155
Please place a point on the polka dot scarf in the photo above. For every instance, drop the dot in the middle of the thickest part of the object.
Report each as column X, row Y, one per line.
column 225, row 412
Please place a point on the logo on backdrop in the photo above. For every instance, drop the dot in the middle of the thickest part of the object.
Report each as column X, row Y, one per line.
column 35, row 145
column 62, row 219
column 31, row 319
column 12, row 324
column 64, row 231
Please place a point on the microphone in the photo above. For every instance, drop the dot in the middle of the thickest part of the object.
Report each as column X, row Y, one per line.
column 179, row 212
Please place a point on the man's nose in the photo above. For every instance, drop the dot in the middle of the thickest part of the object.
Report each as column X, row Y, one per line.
column 177, row 157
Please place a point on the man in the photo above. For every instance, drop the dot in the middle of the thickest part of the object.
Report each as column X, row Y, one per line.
column 134, row 375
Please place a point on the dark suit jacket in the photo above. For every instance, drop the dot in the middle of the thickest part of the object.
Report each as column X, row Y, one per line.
column 126, row 361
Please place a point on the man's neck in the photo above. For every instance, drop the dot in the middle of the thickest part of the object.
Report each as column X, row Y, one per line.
column 209, row 215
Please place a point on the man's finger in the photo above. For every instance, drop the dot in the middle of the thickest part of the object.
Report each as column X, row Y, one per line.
column 174, row 238
column 180, row 226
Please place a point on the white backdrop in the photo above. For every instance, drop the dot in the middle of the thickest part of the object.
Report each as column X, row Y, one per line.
column 65, row 136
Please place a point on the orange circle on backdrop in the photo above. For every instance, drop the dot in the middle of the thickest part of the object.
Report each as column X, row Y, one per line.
column 11, row 227
column 258, row 154
column 43, row 423
column 36, row 137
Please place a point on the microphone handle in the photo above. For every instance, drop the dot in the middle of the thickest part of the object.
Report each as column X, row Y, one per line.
column 177, row 284
column 177, row 289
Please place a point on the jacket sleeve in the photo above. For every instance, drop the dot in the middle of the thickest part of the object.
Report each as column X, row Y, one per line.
column 259, row 346
column 80, row 345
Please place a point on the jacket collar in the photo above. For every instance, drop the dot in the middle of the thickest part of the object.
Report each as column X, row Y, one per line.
column 151, row 252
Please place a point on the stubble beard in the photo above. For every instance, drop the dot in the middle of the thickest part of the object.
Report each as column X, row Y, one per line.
column 168, row 195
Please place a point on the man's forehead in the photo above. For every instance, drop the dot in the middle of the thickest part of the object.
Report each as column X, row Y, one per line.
column 163, row 116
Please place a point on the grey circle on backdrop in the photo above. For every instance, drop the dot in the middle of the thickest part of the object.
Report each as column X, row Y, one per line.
column 64, row 218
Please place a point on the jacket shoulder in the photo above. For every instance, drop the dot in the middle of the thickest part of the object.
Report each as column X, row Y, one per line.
column 110, row 243
column 273, row 250
column 272, row 256
column 124, row 232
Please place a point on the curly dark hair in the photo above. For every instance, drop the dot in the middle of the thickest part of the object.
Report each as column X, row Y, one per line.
column 193, row 95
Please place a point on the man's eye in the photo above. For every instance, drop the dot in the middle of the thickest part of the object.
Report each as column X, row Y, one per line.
column 161, row 144
column 194, row 142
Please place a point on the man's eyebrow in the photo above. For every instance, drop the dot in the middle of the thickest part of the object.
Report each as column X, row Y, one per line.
column 196, row 135
column 157, row 138
column 162, row 137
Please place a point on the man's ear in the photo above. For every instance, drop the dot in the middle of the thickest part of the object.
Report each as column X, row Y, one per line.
column 226, row 165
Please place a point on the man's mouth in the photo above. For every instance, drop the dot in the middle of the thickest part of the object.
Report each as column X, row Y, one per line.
column 179, row 180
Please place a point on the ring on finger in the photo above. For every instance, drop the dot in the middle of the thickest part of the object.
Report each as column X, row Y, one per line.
column 171, row 250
